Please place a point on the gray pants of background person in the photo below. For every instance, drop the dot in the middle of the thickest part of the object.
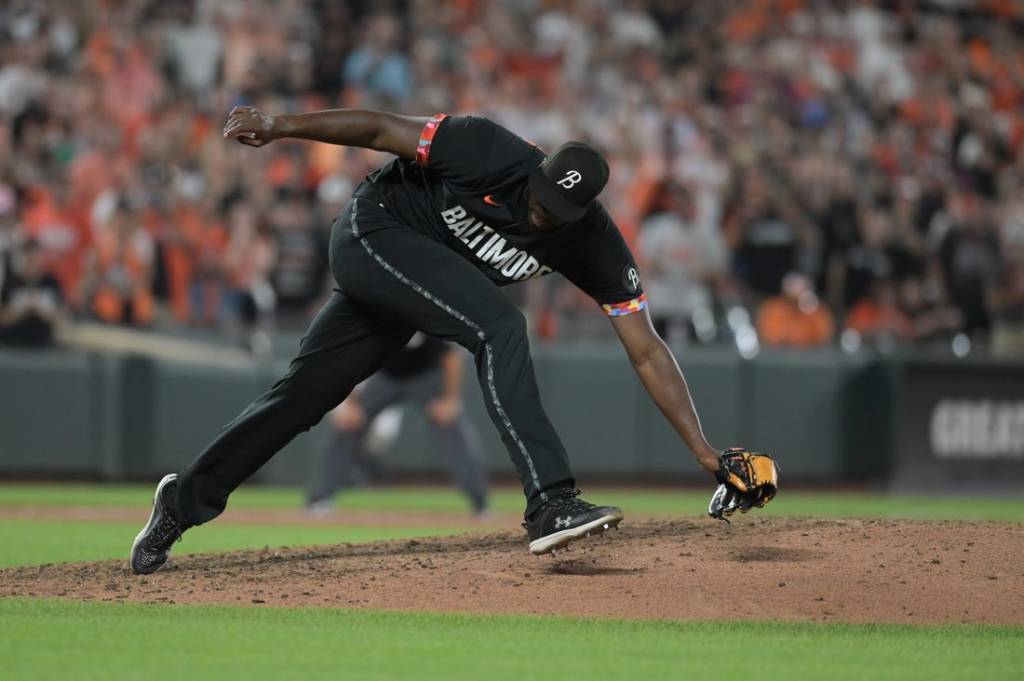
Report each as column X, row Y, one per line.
column 459, row 440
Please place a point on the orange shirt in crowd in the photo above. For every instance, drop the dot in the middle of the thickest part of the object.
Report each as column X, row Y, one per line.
column 210, row 245
column 124, row 290
column 64, row 235
column 867, row 317
column 782, row 322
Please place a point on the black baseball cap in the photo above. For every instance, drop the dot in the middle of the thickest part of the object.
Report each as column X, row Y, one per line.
column 569, row 180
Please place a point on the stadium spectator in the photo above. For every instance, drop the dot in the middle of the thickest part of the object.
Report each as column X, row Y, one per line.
column 300, row 271
column 839, row 218
column 795, row 317
column 850, row 141
column 1007, row 303
column 767, row 234
column 208, row 243
column 683, row 252
column 876, row 254
column 250, row 256
column 932, row 317
column 119, row 271
column 31, row 305
column 969, row 258
column 9, row 234
column 878, row 316
column 377, row 66
column 1006, row 297
column 197, row 48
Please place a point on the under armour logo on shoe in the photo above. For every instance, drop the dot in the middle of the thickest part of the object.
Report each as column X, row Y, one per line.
column 563, row 522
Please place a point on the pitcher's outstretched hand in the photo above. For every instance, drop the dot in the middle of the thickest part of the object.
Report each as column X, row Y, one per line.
column 250, row 126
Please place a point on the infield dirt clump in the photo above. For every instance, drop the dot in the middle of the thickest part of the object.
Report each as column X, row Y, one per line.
column 758, row 568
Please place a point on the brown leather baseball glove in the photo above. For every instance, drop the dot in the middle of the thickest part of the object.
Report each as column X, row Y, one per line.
column 746, row 480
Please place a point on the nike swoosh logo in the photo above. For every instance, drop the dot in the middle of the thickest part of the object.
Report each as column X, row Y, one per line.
column 489, row 200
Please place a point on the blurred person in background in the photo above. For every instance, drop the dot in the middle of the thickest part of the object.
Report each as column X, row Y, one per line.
column 62, row 232
column 207, row 244
column 31, row 303
column 378, row 66
column 842, row 109
column 331, row 195
column 300, row 267
column 932, row 318
column 683, row 255
column 171, row 265
column 796, row 317
column 767, row 234
column 970, row 261
column 9, row 232
column 249, row 258
column 1006, row 301
column 1006, row 296
column 878, row 317
column 875, row 254
column 840, row 222
column 119, row 271
column 428, row 372
column 196, row 44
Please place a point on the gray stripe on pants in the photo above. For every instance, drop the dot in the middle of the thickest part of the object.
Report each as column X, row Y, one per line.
column 472, row 325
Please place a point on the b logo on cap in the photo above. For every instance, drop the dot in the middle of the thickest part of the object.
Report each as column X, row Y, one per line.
column 571, row 179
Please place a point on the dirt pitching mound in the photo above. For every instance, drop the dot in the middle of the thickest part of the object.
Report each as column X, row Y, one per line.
column 758, row 568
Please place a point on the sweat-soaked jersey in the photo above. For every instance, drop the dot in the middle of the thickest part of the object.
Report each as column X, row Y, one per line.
column 467, row 188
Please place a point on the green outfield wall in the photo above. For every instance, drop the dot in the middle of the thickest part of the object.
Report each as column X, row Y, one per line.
column 829, row 416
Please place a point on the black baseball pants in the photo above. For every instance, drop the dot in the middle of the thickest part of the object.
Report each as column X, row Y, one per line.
column 392, row 281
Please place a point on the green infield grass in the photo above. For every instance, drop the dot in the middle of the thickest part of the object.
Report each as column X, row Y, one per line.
column 637, row 502
column 61, row 640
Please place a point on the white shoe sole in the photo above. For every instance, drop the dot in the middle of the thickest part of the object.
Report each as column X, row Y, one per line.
column 170, row 477
column 558, row 540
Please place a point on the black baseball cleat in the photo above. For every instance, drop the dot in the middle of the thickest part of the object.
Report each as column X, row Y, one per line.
column 153, row 544
column 566, row 518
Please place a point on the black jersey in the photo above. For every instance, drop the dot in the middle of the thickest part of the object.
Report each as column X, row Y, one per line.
column 467, row 188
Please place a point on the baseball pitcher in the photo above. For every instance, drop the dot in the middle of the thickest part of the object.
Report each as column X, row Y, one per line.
column 426, row 243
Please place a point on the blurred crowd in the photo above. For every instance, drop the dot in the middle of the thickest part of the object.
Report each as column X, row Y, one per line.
column 788, row 172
